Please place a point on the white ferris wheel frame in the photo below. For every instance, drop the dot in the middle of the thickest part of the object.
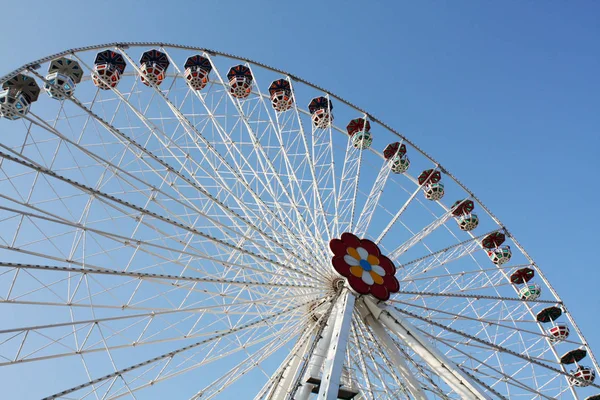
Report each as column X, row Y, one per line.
column 324, row 354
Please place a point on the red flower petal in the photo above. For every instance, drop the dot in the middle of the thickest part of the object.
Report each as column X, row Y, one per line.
column 337, row 246
column 380, row 292
column 371, row 247
column 387, row 265
column 391, row 283
column 358, row 284
column 340, row 249
column 340, row 265
column 350, row 240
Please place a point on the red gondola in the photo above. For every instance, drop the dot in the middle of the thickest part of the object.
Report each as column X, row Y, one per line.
column 582, row 376
column 153, row 67
column 108, row 68
column 559, row 333
column 320, row 109
column 240, row 81
column 281, row 95
column 197, row 69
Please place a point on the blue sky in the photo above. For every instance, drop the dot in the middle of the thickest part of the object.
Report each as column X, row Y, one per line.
column 503, row 94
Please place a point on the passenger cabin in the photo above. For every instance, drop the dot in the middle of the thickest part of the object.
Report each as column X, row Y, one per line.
column 108, row 68
column 197, row 69
column 63, row 75
column 432, row 187
column 320, row 110
column 281, row 95
column 240, row 81
column 359, row 130
column 396, row 154
column 153, row 67
column 17, row 95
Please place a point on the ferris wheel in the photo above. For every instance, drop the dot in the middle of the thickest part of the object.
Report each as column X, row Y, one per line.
column 182, row 223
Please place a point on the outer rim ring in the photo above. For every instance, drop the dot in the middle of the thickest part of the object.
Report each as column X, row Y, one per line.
column 36, row 64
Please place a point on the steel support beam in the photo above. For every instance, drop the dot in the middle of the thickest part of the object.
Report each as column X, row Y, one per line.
column 460, row 383
column 412, row 383
column 289, row 370
column 317, row 359
column 332, row 371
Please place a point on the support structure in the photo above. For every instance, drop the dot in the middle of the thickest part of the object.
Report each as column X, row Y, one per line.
column 325, row 366
column 316, row 361
column 332, row 371
column 444, row 367
column 289, row 369
column 378, row 330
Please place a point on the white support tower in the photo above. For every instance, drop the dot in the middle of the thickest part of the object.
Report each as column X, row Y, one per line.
column 325, row 367
column 332, row 370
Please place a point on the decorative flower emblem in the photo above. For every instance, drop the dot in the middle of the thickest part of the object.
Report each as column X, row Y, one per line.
column 361, row 262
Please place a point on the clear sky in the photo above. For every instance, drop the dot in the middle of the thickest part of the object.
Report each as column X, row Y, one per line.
column 504, row 94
